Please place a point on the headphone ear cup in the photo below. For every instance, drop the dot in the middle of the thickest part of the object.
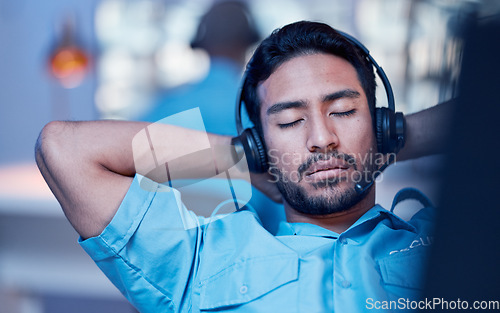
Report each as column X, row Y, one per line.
column 254, row 150
column 381, row 129
column 261, row 151
column 390, row 130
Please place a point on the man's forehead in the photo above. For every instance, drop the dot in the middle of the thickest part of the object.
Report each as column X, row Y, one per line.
column 314, row 75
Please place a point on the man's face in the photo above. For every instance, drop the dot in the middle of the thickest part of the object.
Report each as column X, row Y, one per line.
column 318, row 130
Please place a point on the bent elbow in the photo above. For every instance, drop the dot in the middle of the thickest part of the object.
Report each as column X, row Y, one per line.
column 49, row 142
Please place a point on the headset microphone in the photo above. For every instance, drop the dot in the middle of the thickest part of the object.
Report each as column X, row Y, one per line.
column 362, row 186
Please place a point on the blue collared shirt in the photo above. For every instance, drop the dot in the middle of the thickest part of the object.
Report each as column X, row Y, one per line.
column 161, row 263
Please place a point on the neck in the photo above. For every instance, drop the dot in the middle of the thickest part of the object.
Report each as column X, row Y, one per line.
column 336, row 222
column 235, row 54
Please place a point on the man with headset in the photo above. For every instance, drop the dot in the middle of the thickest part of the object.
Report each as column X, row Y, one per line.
column 311, row 94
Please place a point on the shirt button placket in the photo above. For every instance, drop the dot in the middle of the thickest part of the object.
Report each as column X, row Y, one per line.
column 345, row 283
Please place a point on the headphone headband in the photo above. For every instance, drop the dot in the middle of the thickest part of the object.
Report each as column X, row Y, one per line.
column 380, row 72
column 239, row 124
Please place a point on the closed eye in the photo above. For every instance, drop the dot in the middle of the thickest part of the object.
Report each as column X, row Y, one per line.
column 289, row 125
column 342, row 114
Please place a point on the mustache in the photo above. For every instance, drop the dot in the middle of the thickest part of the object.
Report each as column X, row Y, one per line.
column 324, row 157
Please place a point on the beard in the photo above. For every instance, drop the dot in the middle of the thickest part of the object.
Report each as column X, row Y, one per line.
column 333, row 199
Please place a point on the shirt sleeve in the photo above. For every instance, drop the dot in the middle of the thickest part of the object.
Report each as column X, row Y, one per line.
column 147, row 251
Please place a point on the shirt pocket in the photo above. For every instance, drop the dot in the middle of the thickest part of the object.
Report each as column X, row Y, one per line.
column 404, row 269
column 247, row 280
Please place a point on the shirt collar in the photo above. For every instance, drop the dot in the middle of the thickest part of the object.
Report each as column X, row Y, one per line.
column 376, row 213
column 304, row 229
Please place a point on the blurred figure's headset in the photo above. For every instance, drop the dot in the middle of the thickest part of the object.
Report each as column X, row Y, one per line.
column 390, row 127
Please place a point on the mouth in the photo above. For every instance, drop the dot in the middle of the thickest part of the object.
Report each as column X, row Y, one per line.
column 323, row 170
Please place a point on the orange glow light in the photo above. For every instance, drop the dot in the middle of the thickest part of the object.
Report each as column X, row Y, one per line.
column 69, row 65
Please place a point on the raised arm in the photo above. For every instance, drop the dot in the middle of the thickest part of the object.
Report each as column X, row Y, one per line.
column 427, row 131
column 89, row 165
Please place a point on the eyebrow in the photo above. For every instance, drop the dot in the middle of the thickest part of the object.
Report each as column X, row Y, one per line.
column 346, row 93
column 281, row 106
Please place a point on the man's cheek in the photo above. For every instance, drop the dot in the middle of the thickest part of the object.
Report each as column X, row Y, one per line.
column 287, row 173
column 273, row 157
column 290, row 160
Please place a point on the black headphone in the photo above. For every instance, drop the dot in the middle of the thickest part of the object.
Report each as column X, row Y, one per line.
column 390, row 126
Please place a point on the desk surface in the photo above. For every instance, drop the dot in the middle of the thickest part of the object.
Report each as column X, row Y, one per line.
column 24, row 191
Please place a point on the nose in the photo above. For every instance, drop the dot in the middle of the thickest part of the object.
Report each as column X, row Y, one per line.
column 321, row 136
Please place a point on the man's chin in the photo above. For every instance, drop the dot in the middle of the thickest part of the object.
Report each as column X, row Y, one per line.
column 322, row 198
column 333, row 187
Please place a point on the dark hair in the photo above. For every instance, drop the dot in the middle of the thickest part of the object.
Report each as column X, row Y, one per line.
column 302, row 38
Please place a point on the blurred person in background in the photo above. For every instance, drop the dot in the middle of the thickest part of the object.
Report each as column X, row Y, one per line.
column 226, row 32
